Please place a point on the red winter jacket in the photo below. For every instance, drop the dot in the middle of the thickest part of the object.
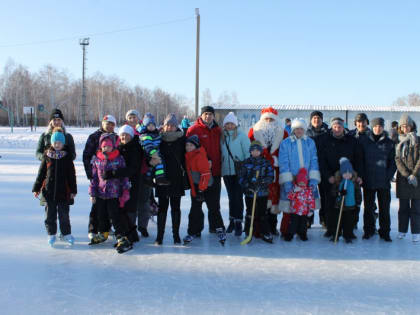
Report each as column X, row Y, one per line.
column 210, row 140
column 198, row 169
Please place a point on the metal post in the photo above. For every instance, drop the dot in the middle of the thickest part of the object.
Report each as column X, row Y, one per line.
column 83, row 42
column 197, row 63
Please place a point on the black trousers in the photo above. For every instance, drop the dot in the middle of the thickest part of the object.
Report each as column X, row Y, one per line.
column 109, row 208
column 323, row 198
column 62, row 209
column 298, row 224
column 196, row 215
column 409, row 212
column 175, row 203
column 384, row 202
column 93, row 220
column 236, row 198
column 261, row 214
column 347, row 222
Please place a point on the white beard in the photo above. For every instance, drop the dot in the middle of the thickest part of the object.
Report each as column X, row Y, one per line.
column 270, row 131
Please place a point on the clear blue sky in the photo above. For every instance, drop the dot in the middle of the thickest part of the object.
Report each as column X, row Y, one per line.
column 269, row 52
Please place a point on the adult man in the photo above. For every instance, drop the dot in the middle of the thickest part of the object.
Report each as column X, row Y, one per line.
column 270, row 134
column 379, row 165
column 335, row 144
column 315, row 130
column 209, row 133
column 92, row 144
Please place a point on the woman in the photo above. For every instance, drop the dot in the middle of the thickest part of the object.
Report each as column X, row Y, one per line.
column 235, row 148
column 407, row 158
column 44, row 142
column 296, row 152
column 172, row 149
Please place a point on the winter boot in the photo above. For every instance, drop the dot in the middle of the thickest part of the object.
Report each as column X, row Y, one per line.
column 348, row 240
column 247, row 225
column 267, row 238
column 288, row 237
column 303, row 237
column 51, row 240
column 416, row 238
column 401, row 235
column 188, row 239
column 143, row 231
column 176, row 222
column 123, row 245
column 221, row 235
column 231, row 226
column 69, row 239
column 238, row 227
column 99, row 238
column 161, row 223
column 162, row 181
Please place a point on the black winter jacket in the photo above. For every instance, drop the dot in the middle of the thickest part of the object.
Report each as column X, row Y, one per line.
column 379, row 161
column 91, row 147
column 173, row 153
column 44, row 142
column 56, row 176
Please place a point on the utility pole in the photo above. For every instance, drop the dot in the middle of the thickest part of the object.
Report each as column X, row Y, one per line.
column 197, row 63
column 83, row 42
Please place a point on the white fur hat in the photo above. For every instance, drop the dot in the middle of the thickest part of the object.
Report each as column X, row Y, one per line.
column 298, row 123
column 230, row 118
column 126, row 129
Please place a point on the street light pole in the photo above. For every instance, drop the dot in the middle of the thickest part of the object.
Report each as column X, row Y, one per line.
column 83, row 42
column 197, row 63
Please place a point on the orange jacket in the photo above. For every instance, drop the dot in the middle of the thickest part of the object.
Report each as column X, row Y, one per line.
column 198, row 169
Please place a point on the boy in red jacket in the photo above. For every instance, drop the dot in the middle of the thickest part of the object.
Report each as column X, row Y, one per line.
column 199, row 176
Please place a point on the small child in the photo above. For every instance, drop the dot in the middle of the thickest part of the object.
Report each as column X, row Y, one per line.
column 302, row 202
column 57, row 181
column 345, row 187
column 109, row 194
column 250, row 183
column 150, row 141
column 199, row 176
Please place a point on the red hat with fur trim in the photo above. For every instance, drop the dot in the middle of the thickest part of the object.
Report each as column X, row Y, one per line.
column 269, row 112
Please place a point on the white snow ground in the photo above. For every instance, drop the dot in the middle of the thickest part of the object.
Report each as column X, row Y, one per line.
column 315, row 277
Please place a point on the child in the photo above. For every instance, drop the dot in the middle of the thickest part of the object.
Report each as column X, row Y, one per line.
column 109, row 194
column 302, row 201
column 199, row 176
column 345, row 187
column 57, row 181
column 150, row 141
column 250, row 183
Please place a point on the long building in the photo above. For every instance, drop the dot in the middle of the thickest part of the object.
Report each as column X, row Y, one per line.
column 248, row 115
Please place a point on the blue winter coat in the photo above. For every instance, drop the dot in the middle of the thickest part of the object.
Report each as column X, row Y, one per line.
column 248, row 175
column 290, row 161
column 185, row 123
column 239, row 147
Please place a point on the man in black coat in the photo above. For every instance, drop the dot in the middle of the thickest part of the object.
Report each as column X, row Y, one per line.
column 334, row 145
column 316, row 129
column 379, row 165
column 91, row 147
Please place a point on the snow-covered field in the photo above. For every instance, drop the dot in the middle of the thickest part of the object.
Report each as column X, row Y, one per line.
column 315, row 277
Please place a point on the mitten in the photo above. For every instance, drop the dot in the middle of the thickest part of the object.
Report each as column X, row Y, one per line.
column 124, row 197
column 310, row 213
column 313, row 183
column 288, row 186
column 412, row 180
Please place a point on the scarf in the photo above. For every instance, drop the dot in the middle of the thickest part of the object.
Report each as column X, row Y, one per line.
column 56, row 155
column 406, row 141
column 108, row 156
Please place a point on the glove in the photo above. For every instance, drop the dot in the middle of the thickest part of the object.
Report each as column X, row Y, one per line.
column 288, row 186
column 108, row 175
column 412, row 180
column 199, row 196
column 313, row 183
column 124, row 197
column 342, row 192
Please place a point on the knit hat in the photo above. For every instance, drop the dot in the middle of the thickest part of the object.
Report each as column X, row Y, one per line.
column 126, row 129
column 406, row 120
column 58, row 135
column 56, row 113
column 317, row 113
column 345, row 166
column 269, row 112
column 298, row 123
column 337, row 120
column 148, row 119
column 207, row 109
column 255, row 145
column 132, row 112
column 302, row 177
column 361, row 117
column 194, row 140
column 171, row 120
column 230, row 118
column 377, row 121
column 109, row 118
column 110, row 139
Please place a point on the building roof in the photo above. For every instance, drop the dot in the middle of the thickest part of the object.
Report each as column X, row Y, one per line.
column 359, row 108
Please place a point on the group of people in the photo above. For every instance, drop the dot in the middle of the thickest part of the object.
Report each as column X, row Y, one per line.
column 294, row 171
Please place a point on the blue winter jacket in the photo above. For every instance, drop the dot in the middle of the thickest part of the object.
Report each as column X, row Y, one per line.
column 290, row 161
column 150, row 141
column 248, row 175
column 185, row 123
column 239, row 147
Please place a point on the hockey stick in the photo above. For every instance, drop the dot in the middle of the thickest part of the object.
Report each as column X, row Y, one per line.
column 251, row 227
column 341, row 212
